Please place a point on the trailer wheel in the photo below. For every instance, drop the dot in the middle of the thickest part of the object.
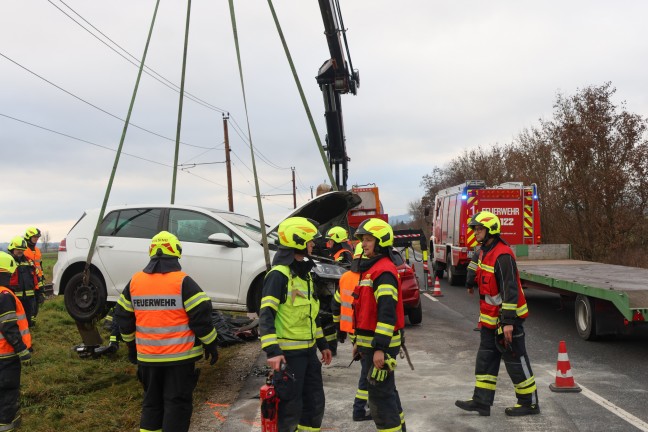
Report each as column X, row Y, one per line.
column 585, row 317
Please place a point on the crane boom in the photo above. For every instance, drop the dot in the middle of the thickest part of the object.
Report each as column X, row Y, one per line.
column 335, row 77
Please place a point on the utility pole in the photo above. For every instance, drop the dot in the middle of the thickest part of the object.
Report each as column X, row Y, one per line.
column 294, row 188
column 311, row 192
column 230, row 197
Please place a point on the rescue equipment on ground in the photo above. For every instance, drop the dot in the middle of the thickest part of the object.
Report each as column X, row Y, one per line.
column 277, row 383
column 564, row 378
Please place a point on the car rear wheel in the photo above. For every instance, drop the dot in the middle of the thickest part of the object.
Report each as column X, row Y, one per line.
column 85, row 303
column 416, row 314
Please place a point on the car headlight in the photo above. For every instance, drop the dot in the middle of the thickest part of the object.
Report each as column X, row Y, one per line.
column 328, row 271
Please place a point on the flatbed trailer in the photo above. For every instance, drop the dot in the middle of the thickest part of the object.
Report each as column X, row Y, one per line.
column 609, row 299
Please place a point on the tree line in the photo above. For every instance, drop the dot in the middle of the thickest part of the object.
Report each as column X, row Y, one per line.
column 590, row 163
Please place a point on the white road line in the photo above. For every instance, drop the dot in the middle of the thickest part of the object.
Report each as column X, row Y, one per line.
column 430, row 297
column 619, row 412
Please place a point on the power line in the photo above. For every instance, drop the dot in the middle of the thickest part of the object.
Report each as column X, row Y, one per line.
column 95, row 106
column 161, row 78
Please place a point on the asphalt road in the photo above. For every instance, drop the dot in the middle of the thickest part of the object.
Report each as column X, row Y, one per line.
column 611, row 372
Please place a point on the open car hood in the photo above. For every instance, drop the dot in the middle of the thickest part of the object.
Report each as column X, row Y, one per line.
column 327, row 210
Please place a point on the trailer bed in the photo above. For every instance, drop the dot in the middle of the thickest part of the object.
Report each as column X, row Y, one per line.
column 626, row 287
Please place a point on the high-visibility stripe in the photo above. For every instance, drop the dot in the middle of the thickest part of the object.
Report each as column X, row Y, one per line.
column 488, row 382
column 362, row 394
column 494, row 300
column 286, row 344
column 398, row 428
column 271, row 302
column 509, row 306
column 269, row 339
column 488, row 319
column 211, row 337
column 384, row 329
column 8, row 316
column 306, row 428
column 160, row 358
column 125, row 303
column 128, row 337
column 388, row 290
column 195, row 300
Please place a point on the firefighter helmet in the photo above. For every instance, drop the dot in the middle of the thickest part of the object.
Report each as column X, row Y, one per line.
column 487, row 220
column 377, row 228
column 32, row 232
column 337, row 234
column 17, row 243
column 165, row 244
column 7, row 263
column 296, row 232
column 357, row 254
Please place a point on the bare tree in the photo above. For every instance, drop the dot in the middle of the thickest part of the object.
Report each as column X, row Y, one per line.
column 45, row 238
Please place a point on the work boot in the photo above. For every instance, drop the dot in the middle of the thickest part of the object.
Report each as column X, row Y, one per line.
column 471, row 405
column 522, row 410
column 362, row 417
column 111, row 348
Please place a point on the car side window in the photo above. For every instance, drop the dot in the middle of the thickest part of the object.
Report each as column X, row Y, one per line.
column 134, row 223
column 190, row 226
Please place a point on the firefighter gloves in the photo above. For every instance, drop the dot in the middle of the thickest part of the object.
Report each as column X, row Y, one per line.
column 211, row 350
column 132, row 353
column 25, row 357
column 376, row 376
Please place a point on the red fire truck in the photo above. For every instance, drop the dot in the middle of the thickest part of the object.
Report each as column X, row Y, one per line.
column 453, row 241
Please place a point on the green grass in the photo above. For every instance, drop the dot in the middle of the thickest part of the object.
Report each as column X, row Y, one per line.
column 62, row 392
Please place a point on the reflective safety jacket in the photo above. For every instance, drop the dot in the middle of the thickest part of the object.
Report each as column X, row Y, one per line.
column 495, row 300
column 344, row 298
column 35, row 257
column 344, row 253
column 14, row 329
column 162, row 331
column 295, row 320
column 24, row 280
column 370, row 328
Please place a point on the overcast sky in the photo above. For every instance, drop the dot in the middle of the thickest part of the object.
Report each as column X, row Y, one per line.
column 436, row 78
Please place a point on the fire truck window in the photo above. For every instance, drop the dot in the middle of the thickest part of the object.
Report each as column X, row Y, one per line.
column 451, row 218
column 446, row 213
column 457, row 224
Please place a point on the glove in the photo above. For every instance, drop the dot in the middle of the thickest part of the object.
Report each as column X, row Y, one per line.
column 40, row 297
column 25, row 357
column 132, row 353
column 379, row 375
column 341, row 336
column 211, row 350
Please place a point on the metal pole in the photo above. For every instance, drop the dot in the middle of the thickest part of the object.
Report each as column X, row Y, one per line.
column 294, row 188
column 230, row 197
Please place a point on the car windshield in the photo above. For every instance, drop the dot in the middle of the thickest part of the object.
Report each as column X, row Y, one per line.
column 249, row 226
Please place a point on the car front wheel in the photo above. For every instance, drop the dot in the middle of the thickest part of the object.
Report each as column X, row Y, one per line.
column 85, row 302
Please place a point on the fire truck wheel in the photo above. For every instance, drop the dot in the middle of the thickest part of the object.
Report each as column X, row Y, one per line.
column 585, row 317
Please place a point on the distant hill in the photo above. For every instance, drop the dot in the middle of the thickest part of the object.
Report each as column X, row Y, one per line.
column 51, row 247
column 394, row 220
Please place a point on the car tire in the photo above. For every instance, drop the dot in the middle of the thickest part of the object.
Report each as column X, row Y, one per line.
column 257, row 288
column 415, row 315
column 85, row 303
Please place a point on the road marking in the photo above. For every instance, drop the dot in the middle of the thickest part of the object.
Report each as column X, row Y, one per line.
column 619, row 412
column 430, row 297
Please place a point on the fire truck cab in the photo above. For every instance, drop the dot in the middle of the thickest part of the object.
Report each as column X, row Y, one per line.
column 453, row 241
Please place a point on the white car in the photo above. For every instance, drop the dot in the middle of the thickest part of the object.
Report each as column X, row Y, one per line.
column 222, row 251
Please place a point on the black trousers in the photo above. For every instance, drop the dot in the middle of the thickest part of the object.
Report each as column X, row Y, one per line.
column 9, row 390
column 306, row 408
column 29, row 304
column 517, row 365
column 384, row 401
column 360, row 403
column 168, row 396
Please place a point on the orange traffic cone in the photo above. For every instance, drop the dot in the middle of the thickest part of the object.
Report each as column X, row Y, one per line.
column 429, row 281
column 564, row 378
column 437, row 289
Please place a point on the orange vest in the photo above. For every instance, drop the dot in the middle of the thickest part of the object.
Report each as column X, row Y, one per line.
column 162, row 325
column 6, row 350
column 348, row 282
column 365, row 307
column 36, row 257
column 490, row 300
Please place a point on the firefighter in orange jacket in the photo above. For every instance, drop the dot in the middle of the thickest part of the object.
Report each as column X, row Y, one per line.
column 290, row 328
column 24, row 280
column 166, row 321
column 378, row 320
column 502, row 310
column 33, row 253
column 15, row 342
column 342, row 309
column 338, row 245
